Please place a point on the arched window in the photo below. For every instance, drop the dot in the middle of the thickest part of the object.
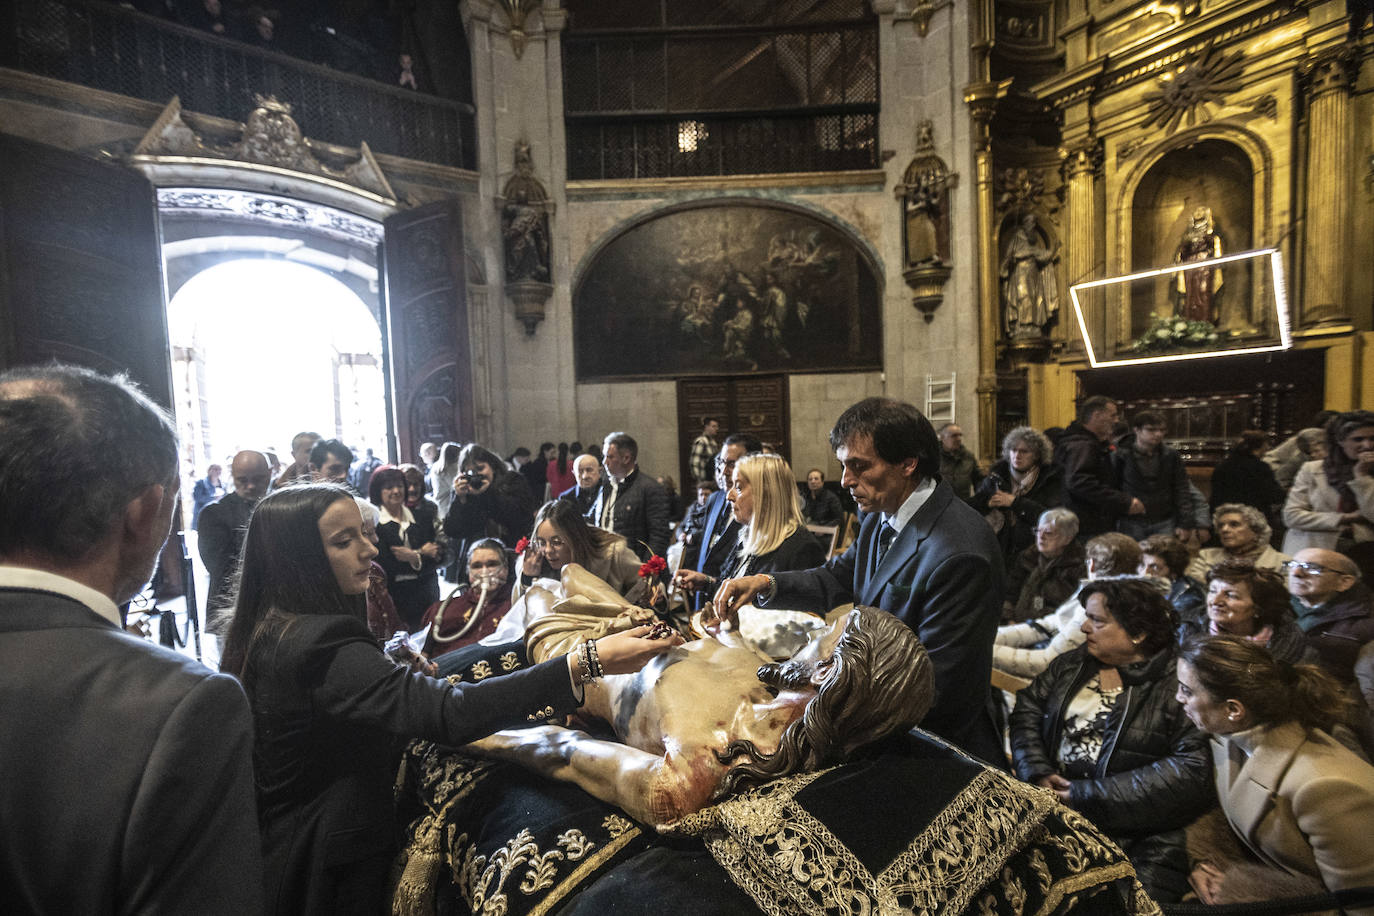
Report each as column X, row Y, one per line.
column 655, row 88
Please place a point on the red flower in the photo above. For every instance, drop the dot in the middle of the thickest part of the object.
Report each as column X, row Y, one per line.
column 521, row 544
column 655, row 566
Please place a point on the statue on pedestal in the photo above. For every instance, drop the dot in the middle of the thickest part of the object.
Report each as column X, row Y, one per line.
column 1030, row 292
column 1199, row 289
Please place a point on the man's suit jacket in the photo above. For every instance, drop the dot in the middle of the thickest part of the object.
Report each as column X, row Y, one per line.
column 220, row 540
column 640, row 514
column 1302, row 801
column 943, row 577
column 126, row 777
column 718, row 537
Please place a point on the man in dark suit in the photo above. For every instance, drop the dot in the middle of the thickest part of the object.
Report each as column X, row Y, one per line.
column 718, row 533
column 631, row 503
column 128, row 780
column 223, row 524
column 922, row 554
column 588, row 471
column 1092, row 489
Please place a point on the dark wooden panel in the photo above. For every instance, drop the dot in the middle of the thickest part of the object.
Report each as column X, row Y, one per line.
column 428, row 346
column 756, row 404
column 82, row 265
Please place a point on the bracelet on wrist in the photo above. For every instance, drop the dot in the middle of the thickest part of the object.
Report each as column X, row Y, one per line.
column 594, row 661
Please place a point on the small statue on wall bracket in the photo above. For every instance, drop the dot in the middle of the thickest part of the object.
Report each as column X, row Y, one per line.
column 924, row 196
column 1030, row 291
column 1199, row 290
column 525, row 208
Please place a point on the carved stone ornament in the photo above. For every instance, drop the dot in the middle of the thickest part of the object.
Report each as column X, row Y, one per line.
column 1335, row 72
column 270, row 137
column 525, row 208
column 1084, row 156
column 1019, row 189
column 922, row 10
column 516, row 13
column 1204, row 79
column 924, row 196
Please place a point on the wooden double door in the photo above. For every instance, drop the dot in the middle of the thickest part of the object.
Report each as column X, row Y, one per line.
column 81, row 281
column 756, row 404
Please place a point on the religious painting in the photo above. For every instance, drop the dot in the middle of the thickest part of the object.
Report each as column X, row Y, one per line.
column 727, row 289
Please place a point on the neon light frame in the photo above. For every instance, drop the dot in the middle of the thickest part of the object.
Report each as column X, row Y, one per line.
column 1280, row 304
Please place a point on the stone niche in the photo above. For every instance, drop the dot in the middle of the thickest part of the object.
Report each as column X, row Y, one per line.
column 1210, row 173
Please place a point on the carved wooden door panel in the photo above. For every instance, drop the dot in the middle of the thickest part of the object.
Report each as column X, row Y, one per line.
column 755, row 404
column 81, row 265
column 81, row 279
column 428, row 348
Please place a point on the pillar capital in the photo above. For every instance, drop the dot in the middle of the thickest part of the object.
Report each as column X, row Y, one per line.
column 1081, row 157
column 1335, row 71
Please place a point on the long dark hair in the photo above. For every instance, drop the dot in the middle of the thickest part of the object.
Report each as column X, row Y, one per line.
column 284, row 571
column 585, row 540
column 562, row 457
column 1339, row 468
column 1272, row 690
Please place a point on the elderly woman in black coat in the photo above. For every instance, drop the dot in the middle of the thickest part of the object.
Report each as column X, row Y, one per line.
column 1101, row 728
column 1018, row 489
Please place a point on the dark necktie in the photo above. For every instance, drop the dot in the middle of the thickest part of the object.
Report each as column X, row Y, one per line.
column 885, row 535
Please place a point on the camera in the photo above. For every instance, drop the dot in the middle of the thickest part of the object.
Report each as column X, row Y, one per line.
column 472, row 478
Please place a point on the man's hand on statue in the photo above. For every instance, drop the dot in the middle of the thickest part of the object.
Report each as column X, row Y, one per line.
column 689, row 580
column 1001, row 499
column 1137, row 507
column 626, row 653
column 1057, row 784
column 732, row 595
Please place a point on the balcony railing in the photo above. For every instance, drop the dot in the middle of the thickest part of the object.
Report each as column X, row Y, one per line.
column 119, row 50
column 735, row 144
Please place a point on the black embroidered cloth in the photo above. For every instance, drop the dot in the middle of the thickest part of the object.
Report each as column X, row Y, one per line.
column 917, row 828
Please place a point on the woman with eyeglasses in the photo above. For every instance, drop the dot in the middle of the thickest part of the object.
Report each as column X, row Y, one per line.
column 763, row 499
column 561, row 536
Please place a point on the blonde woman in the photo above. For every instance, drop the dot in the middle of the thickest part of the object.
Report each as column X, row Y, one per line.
column 763, row 499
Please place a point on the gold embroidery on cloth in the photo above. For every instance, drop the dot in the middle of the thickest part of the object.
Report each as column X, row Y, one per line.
column 510, row 661
column 481, row 670
column 789, row 862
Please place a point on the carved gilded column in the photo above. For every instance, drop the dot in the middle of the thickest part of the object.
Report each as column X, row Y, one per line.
column 981, row 99
column 1329, row 81
column 1082, row 161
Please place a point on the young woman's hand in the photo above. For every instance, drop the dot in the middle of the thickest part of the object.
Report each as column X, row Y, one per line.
column 531, row 561
column 626, row 653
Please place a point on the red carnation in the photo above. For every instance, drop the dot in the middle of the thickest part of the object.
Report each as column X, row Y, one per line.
column 655, row 566
column 521, row 544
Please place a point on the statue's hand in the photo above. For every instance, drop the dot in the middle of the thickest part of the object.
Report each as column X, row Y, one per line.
column 626, row 653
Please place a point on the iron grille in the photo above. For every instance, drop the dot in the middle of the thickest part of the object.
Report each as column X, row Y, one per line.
column 119, row 50
column 712, row 97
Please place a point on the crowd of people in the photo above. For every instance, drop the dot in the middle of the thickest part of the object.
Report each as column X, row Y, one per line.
column 1207, row 707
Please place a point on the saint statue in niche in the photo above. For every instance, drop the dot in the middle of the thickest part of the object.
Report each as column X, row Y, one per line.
column 1199, row 289
column 1030, row 293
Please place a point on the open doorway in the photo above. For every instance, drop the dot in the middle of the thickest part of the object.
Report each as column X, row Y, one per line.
column 262, row 349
